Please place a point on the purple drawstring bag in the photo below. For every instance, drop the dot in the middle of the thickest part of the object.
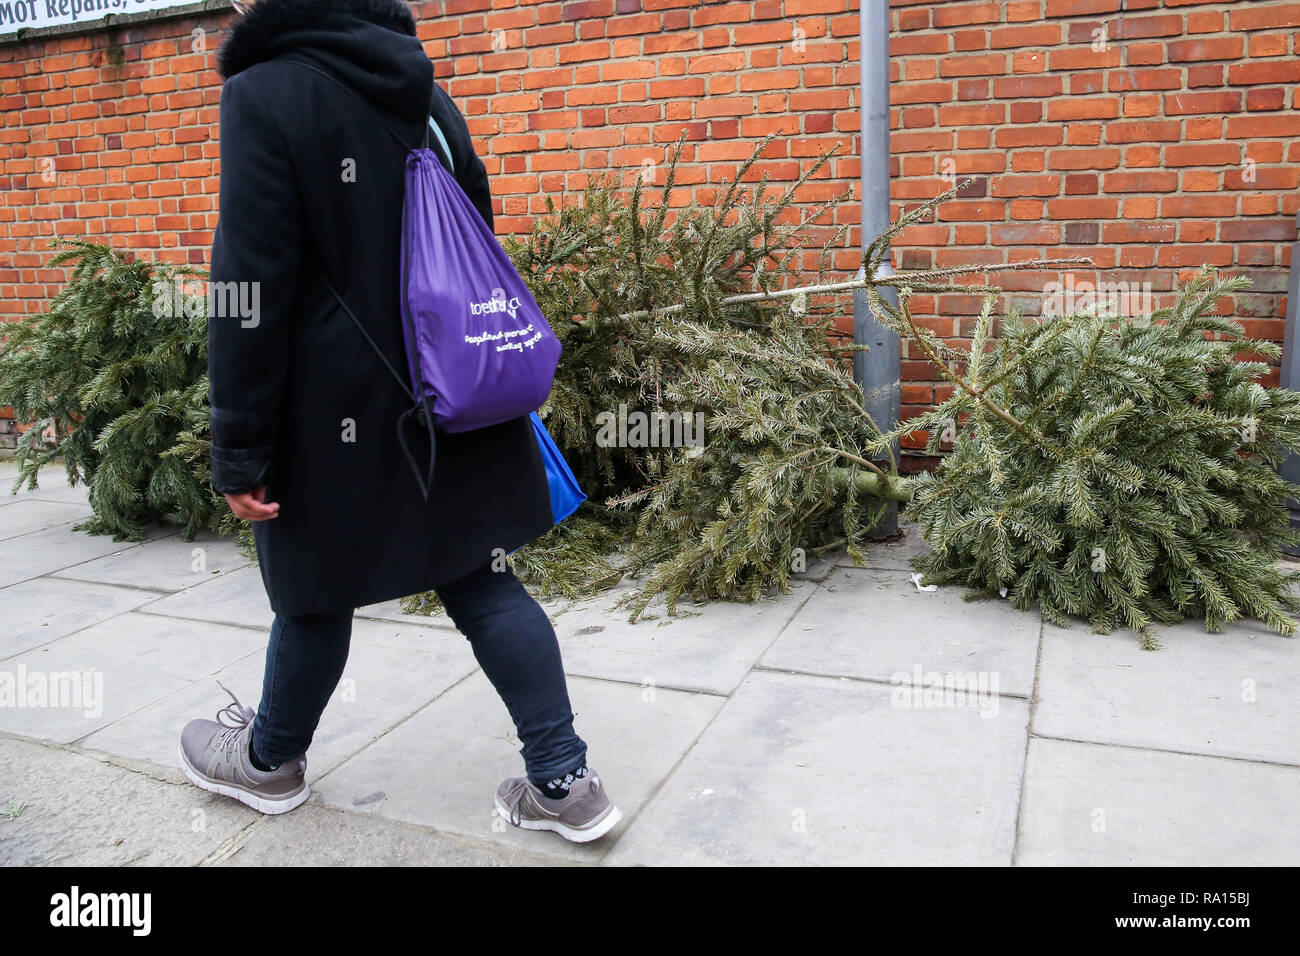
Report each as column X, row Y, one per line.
column 479, row 351
column 478, row 345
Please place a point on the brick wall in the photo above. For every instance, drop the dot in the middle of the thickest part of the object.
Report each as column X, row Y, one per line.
column 1150, row 139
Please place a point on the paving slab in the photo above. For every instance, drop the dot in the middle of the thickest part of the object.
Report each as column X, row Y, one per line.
column 876, row 625
column 800, row 770
column 45, row 609
column 169, row 564
column 28, row 515
column 441, row 768
column 1231, row 694
column 52, row 485
column 1093, row 805
column 320, row 836
column 890, row 555
column 83, row 811
column 392, row 671
column 237, row 597
column 53, row 549
column 71, row 687
column 708, row 649
column 187, row 650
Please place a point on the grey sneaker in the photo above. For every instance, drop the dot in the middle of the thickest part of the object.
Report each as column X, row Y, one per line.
column 586, row 814
column 214, row 755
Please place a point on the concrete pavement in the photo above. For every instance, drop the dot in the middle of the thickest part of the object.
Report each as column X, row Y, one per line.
column 855, row 720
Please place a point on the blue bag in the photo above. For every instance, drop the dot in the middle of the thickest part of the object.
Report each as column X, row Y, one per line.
column 565, row 493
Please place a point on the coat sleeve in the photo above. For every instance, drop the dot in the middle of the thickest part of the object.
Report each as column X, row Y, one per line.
column 253, row 281
column 470, row 173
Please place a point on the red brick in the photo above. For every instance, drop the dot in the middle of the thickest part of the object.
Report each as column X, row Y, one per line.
column 1256, row 230
column 1269, row 44
column 1141, row 105
column 1119, row 81
column 1141, row 182
column 1020, row 87
column 1090, row 208
column 1080, row 8
column 1205, row 21
column 1264, row 17
column 987, row 114
column 900, row 93
column 1081, row 184
column 1207, row 154
column 1134, row 28
column 1250, row 74
column 1259, row 127
column 1143, row 131
column 1179, row 206
column 1030, row 112
column 1083, row 159
column 1206, row 74
column 1074, row 109
column 1247, row 176
column 1223, row 48
column 1226, row 101
column 1138, row 232
column 1273, row 98
column 990, row 64
column 953, row 14
column 1012, row 137
column 1023, row 36
column 915, row 19
column 1016, row 186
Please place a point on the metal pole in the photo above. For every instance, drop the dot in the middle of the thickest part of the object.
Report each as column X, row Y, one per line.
column 1290, row 371
column 876, row 371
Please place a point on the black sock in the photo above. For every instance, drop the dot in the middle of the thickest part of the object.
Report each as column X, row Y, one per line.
column 253, row 758
column 557, row 788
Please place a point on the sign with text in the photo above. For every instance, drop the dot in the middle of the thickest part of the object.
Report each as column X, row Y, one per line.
column 18, row 15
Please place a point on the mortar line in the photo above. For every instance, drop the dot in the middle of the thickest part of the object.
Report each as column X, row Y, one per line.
column 773, row 669
column 1029, row 729
column 1261, row 761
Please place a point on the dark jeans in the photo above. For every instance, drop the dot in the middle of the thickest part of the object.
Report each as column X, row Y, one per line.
column 512, row 640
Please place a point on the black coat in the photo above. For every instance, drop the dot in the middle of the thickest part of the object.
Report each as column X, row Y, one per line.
column 300, row 403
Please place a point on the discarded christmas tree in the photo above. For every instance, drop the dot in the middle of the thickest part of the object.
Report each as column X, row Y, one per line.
column 1132, row 479
column 113, row 383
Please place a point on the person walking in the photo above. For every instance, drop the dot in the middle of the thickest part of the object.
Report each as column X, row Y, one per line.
column 304, row 413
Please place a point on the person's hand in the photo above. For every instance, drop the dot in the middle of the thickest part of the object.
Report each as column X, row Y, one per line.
column 253, row 506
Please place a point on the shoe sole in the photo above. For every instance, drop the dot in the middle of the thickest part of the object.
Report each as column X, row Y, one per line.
column 267, row 805
column 585, row 835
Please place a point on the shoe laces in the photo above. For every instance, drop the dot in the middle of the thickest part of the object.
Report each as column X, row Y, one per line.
column 234, row 717
column 514, row 799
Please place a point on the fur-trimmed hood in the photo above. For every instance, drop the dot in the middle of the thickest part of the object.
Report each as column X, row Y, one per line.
column 261, row 33
column 369, row 44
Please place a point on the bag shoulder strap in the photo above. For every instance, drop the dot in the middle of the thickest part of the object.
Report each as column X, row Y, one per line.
column 421, row 407
column 329, row 285
column 451, row 164
column 357, row 322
